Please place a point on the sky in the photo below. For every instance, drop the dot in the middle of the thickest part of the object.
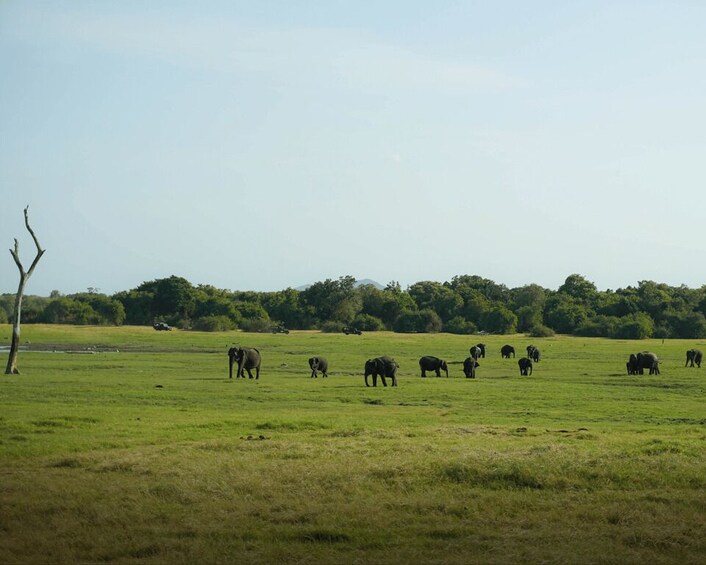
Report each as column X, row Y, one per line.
column 260, row 145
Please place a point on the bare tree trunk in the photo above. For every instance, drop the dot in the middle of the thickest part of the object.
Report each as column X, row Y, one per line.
column 24, row 277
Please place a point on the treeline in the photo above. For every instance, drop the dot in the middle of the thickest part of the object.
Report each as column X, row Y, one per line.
column 465, row 305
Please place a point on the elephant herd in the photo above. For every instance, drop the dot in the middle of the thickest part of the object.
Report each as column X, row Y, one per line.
column 638, row 362
column 385, row 367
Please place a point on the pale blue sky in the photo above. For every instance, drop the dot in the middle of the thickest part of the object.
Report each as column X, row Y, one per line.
column 259, row 145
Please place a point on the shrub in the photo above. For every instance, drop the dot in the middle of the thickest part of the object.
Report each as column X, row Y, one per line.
column 368, row 323
column 422, row 321
column 213, row 324
column 634, row 326
column 459, row 325
column 256, row 325
column 500, row 320
column 541, row 331
column 331, row 327
column 598, row 326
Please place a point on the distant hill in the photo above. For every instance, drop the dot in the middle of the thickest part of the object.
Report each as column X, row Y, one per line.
column 363, row 282
column 359, row 282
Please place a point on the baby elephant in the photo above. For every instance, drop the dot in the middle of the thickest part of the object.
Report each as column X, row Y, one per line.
column 429, row 363
column 318, row 364
column 525, row 366
column 533, row 353
column 469, row 367
column 693, row 356
column 505, row 351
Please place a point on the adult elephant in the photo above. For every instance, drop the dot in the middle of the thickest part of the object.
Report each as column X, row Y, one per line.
column 481, row 346
column 246, row 358
column 647, row 360
column 383, row 367
column 430, row 363
column 632, row 364
column 693, row 356
column 525, row 365
column 469, row 367
column 533, row 353
column 505, row 351
column 475, row 352
column 318, row 364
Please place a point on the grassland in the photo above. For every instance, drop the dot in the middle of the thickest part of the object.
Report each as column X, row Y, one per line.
column 128, row 445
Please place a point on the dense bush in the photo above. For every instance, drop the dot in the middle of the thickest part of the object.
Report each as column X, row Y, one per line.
column 541, row 331
column 331, row 327
column 459, row 325
column 256, row 325
column 421, row 321
column 368, row 323
column 213, row 324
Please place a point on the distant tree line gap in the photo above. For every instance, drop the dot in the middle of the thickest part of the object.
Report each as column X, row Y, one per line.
column 467, row 304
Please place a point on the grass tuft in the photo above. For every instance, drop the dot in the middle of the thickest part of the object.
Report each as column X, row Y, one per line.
column 324, row 536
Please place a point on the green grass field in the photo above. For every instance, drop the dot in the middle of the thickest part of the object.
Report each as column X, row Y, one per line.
column 129, row 445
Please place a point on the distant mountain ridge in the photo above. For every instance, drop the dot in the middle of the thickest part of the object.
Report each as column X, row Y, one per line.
column 359, row 282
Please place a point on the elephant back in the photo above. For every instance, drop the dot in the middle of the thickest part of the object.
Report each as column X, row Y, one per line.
column 251, row 358
column 388, row 365
column 429, row 362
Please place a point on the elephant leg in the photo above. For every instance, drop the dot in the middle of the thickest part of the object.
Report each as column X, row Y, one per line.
column 382, row 378
column 366, row 380
column 424, row 374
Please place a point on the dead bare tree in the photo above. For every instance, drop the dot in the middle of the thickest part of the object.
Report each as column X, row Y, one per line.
column 24, row 277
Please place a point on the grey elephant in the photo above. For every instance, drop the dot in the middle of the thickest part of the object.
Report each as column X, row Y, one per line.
column 469, row 367
column 647, row 360
column 246, row 358
column 383, row 367
column 475, row 352
column 481, row 346
column 525, row 364
column 533, row 353
column 693, row 356
column 505, row 351
column 632, row 364
column 318, row 364
column 430, row 363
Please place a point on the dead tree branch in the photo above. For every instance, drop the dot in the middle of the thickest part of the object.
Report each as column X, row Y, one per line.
column 24, row 277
